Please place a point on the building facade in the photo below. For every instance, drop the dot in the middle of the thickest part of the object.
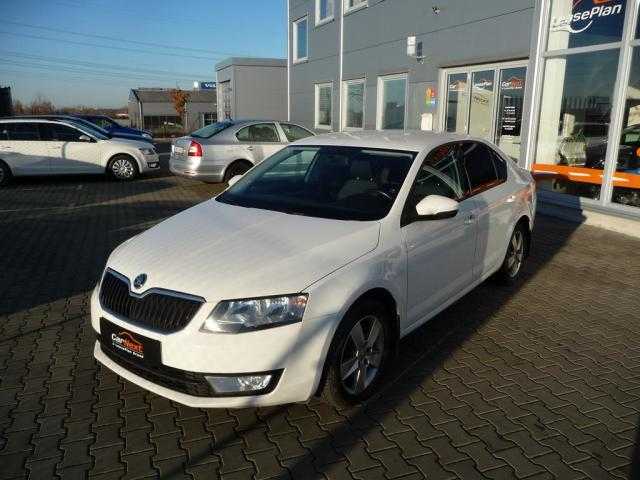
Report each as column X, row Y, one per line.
column 554, row 83
column 252, row 88
column 153, row 109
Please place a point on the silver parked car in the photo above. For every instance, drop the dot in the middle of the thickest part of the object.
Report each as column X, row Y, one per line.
column 222, row 150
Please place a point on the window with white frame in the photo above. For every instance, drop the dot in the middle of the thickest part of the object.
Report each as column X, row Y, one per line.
column 392, row 101
column 354, row 4
column 300, row 39
column 353, row 104
column 324, row 11
column 323, row 105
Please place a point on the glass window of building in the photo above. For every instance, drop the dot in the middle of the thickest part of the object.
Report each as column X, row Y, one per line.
column 510, row 107
column 482, row 98
column 626, row 180
column 584, row 23
column 353, row 105
column 574, row 122
column 457, row 115
column 391, row 102
column 300, row 40
column 354, row 4
column 324, row 11
column 323, row 108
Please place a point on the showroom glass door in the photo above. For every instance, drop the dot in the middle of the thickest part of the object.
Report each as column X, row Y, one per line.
column 486, row 101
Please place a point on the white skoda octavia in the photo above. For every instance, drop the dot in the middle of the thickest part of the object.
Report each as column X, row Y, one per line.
column 300, row 279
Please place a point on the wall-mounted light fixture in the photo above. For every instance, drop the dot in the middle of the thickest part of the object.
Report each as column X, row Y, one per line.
column 414, row 49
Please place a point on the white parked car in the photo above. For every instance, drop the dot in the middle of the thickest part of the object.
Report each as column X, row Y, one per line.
column 222, row 150
column 300, row 278
column 31, row 146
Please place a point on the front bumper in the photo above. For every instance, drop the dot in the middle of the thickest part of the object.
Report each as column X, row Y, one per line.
column 196, row 170
column 150, row 163
column 295, row 353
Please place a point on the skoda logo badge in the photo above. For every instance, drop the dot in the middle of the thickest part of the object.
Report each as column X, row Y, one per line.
column 140, row 280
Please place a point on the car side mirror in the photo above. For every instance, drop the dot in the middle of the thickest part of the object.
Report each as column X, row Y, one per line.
column 233, row 180
column 84, row 138
column 436, row 207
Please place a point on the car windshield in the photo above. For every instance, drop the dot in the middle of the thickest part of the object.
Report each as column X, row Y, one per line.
column 211, row 130
column 344, row 183
column 95, row 130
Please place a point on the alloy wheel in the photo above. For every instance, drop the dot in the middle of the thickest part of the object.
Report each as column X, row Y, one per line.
column 515, row 253
column 123, row 168
column 361, row 355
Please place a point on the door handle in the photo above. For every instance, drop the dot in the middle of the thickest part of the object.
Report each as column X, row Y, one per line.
column 470, row 220
column 250, row 148
column 511, row 199
column 5, row 148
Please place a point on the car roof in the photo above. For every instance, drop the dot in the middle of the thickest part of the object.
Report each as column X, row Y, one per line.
column 415, row 141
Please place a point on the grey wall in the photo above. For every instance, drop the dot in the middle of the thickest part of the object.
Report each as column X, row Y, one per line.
column 257, row 91
column 465, row 32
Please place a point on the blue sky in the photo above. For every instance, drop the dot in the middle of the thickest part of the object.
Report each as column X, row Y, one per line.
column 57, row 47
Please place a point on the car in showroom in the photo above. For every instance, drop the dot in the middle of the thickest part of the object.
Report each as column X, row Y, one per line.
column 113, row 127
column 33, row 146
column 222, row 150
column 300, row 278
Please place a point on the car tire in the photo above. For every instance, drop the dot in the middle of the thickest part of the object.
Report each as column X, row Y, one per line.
column 353, row 372
column 5, row 174
column 123, row 168
column 517, row 250
column 239, row 167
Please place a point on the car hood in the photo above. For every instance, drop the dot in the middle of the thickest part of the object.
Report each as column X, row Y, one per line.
column 130, row 136
column 128, row 142
column 220, row 251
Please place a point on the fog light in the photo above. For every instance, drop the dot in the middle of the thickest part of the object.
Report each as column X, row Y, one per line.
column 240, row 384
column 153, row 164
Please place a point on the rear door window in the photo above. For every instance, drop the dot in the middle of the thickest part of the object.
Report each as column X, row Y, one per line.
column 27, row 131
column 294, row 132
column 479, row 165
column 259, row 133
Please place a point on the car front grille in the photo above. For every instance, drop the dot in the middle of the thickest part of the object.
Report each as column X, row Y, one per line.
column 181, row 381
column 158, row 310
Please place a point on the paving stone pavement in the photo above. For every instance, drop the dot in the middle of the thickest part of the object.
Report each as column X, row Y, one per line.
column 539, row 380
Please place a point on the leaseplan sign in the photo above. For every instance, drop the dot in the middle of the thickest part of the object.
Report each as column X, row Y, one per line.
column 585, row 13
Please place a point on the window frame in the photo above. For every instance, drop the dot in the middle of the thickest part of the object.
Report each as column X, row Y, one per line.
column 380, row 94
column 316, row 109
column 321, row 21
column 493, row 155
column 295, row 58
column 284, row 132
column 406, row 218
column 256, row 142
column 345, row 103
column 354, row 8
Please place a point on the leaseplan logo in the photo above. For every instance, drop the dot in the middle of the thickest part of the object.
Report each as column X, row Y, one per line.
column 126, row 342
column 574, row 23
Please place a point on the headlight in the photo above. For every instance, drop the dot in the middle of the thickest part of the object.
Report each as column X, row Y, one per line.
column 235, row 316
column 147, row 151
column 146, row 135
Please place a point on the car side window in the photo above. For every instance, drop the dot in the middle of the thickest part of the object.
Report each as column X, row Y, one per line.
column 294, row 132
column 27, row 131
column 479, row 165
column 441, row 173
column 63, row 133
column 259, row 133
column 500, row 166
